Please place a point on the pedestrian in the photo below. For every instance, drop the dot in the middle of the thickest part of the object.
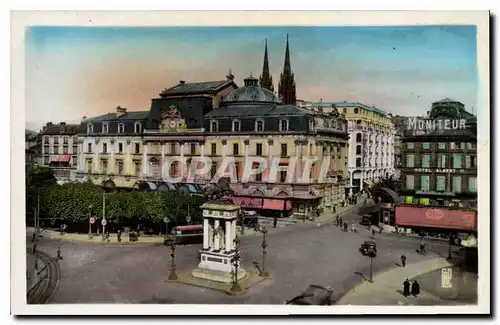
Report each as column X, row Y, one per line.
column 337, row 220
column 369, row 224
column 335, row 209
column 403, row 260
column 353, row 227
column 406, row 288
column 345, row 226
column 341, row 222
column 373, row 232
column 275, row 221
column 415, row 288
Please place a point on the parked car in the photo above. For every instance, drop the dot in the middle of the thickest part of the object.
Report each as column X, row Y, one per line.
column 367, row 246
column 366, row 220
column 314, row 295
column 250, row 219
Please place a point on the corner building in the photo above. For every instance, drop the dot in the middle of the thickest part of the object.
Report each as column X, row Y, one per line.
column 440, row 165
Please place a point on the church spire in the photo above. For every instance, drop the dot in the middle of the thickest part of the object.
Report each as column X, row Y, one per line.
column 266, row 81
column 286, row 88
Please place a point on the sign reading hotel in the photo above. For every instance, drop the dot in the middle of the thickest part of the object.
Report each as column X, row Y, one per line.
column 439, row 170
column 435, row 124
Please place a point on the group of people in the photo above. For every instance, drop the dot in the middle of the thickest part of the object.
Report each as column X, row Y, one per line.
column 343, row 224
column 415, row 288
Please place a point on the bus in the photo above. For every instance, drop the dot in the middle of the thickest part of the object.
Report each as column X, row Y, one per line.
column 188, row 234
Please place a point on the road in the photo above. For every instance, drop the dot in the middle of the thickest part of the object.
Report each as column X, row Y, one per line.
column 298, row 255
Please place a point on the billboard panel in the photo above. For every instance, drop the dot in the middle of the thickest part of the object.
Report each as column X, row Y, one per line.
column 407, row 216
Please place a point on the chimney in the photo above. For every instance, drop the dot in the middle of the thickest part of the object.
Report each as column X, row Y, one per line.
column 120, row 111
column 49, row 124
column 62, row 123
column 182, row 82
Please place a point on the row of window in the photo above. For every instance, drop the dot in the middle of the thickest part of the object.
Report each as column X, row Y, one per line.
column 258, row 127
column 65, row 140
column 443, row 145
column 458, row 161
column 440, row 183
column 383, row 151
column 55, row 150
column 359, row 138
column 121, row 128
column 385, row 162
column 119, row 167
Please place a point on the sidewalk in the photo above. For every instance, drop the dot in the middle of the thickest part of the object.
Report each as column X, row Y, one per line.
column 387, row 287
column 329, row 215
column 97, row 239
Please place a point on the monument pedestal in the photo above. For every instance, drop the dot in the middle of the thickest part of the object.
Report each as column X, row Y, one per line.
column 217, row 266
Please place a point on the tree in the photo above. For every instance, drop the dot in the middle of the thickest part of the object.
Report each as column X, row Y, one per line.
column 387, row 182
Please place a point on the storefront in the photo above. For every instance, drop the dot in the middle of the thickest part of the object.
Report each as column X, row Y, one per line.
column 265, row 207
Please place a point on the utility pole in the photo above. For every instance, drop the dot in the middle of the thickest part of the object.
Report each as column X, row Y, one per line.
column 103, row 215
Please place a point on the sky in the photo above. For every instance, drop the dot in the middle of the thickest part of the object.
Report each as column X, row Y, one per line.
column 73, row 72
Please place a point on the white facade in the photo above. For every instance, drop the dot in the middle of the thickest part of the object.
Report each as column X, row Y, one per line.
column 371, row 153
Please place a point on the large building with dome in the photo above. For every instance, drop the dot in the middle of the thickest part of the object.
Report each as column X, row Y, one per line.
column 217, row 119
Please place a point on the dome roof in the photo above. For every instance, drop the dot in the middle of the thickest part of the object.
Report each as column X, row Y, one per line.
column 251, row 92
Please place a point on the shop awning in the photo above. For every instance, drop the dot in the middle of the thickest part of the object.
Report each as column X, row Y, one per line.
column 60, row 158
column 270, row 204
column 258, row 203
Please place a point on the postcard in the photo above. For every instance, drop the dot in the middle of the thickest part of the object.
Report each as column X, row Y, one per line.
column 250, row 163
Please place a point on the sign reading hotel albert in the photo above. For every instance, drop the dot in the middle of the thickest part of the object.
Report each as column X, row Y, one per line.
column 439, row 170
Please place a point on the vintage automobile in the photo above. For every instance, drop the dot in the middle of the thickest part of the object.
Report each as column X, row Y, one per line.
column 314, row 295
column 367, row 246
column 250, row 219
column 187, row 234
column 366, row 220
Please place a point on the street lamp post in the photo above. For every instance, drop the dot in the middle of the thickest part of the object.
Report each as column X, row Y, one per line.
column 103, row 216
column 171, row 241
column 90, row 224
column 235, row 260
column 263, row 272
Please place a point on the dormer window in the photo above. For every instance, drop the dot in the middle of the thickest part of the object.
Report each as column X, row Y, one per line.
column 121, row 128
column 236, row 126
column 259, row 126
column 137, row 127
column 90, row 128
column 104, row 127
column 311, row 125
column 283, row 125
column 214, row 126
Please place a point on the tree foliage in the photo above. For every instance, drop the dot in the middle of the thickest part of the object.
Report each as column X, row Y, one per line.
column 386, row 182
column 76, row 202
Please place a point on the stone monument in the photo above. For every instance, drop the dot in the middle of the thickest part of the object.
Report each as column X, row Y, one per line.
column 219, row 233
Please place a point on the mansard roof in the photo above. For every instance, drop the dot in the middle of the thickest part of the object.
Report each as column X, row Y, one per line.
column 206, row 87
